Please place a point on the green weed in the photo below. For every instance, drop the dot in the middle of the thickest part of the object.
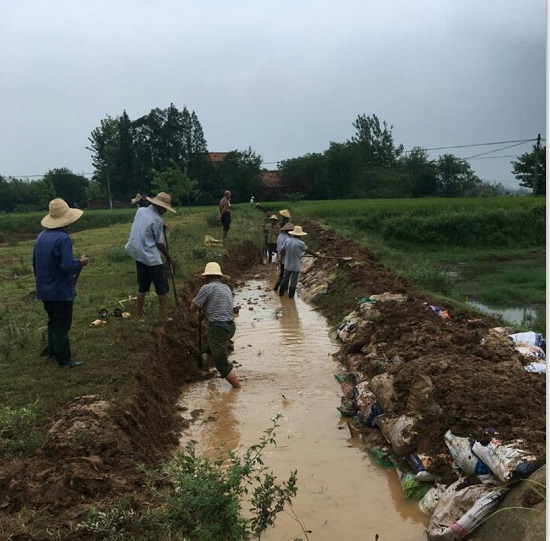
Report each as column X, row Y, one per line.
column 205, row 499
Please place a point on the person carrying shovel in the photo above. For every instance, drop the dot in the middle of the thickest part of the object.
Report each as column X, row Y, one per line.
column 56, row 271
column 145, row 245
column 215, row 299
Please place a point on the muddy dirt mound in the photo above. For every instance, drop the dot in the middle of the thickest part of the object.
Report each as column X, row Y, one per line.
column 477, row 382
column 475, row 376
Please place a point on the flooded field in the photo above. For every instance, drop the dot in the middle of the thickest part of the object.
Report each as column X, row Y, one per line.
column 283, row 357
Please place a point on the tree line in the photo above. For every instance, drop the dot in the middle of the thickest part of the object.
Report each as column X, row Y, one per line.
column 166, row 150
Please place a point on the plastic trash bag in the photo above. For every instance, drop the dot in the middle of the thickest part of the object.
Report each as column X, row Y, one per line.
column 506, row 460
column 461, row 509
column 464, row 457
column 429, row 502
column 399, row 431
column 412, row 487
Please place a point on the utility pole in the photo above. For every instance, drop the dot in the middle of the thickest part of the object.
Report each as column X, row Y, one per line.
column 536, row 167
column 109, row 190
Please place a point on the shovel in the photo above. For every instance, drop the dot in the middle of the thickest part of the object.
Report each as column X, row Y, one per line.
column 199, row 358
column 180, row 309
column 341, row 258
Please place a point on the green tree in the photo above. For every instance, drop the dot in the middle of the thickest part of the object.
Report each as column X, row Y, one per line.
column 68, row 185
column 375, row 141
column 240, row 172
column 103, row 144
column 306, row 175
column 422, row 173
column 174, row 180
column 531, row 166
column 43, row 192
column 455, row 177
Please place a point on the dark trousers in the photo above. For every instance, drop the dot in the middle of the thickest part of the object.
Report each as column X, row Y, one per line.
column 271, row 249
column 60, row 319
column 280, row 277
column 219, row 335
column 290, row 281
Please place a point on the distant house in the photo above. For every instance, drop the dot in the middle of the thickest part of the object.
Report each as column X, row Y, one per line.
column 271, row 182
column 98, row 203
column 216, row 157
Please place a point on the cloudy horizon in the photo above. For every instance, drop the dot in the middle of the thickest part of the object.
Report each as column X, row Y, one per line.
column 283, row 78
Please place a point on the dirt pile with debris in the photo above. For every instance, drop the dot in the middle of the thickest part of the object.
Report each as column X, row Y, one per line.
column 93, row 446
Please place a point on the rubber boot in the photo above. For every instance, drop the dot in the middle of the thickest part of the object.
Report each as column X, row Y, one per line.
column 291, row 291
column 282, row 290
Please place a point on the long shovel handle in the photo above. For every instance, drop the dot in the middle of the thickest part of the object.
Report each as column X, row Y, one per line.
column 200, row 338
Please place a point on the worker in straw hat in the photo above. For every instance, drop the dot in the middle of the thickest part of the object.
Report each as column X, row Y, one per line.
column 285, row 216
column 145, row 245
column 273, row 229
column 291, row 251
column 215, row 299
column 56, row 270
column 283, row 235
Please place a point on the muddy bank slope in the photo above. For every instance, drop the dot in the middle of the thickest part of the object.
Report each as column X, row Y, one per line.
column 93, row 445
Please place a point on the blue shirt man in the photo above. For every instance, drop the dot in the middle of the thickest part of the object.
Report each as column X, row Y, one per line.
column 55, row 270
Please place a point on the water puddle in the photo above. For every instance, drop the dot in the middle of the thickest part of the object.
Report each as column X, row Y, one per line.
column 283, row 355
column 515, row 316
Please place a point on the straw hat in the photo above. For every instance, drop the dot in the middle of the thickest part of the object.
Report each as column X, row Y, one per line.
column 273, row 217
column 285, row 213
column 213, row 269
column 60, row 215
column 289, row 226
column 162, row 199
column 297, row 231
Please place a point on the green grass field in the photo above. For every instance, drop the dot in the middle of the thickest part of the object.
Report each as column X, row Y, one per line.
column 30, row 389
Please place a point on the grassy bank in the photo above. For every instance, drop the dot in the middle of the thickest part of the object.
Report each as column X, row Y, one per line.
column 33, row 390
column 114, row 350
column 30, row 388
column 491, row 250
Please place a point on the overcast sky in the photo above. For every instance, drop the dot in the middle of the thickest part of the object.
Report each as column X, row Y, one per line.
column 284, row 77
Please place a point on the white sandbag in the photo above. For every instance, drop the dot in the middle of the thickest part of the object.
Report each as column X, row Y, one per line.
column 429, row 502
column 399, row 431
column 464, row 457
column 460, row 510
column 539, row 367
column 506, row 460
column 382, row 387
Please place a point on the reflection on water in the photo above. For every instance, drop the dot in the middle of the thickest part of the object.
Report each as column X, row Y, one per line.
column 284, row 357
column 515, row 316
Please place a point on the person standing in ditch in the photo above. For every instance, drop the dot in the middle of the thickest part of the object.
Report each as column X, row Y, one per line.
column 215, row 299
column 224, row 209
column 285, row 213
column 292, row 251
column 145, row 245
column 273, row 230
column 283, row 235
column 56, row 271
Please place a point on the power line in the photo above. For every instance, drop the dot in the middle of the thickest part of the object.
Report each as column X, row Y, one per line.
column 491, row 151
column 519, row 142
column 479, row 144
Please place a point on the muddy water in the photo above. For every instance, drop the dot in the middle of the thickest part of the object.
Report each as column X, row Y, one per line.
column 283, row 359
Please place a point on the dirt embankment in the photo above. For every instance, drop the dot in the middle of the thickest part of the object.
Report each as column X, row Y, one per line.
column 93, row 445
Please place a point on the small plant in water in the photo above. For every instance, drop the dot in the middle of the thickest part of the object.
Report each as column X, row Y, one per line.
column 207, row 497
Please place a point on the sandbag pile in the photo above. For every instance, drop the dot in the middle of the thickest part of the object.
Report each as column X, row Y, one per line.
column 391, row 400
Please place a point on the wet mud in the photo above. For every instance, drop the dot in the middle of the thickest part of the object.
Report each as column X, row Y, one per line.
column 478, row 383
column 284, row 358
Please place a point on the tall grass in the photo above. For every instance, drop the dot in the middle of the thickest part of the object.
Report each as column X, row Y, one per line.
column 439, row 222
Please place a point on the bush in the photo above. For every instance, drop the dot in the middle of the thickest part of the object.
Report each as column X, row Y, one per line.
column 205, row 498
